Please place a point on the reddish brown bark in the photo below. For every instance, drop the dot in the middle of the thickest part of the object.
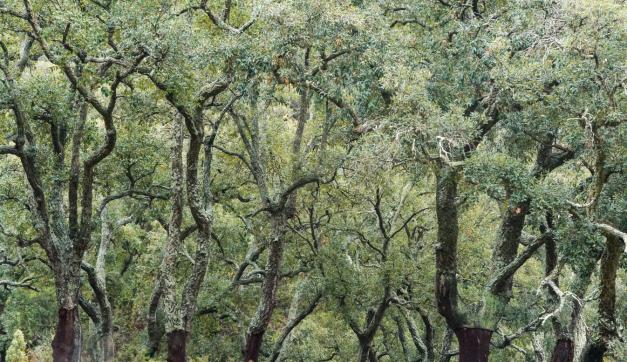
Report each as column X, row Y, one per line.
column 564, row 351
column 177, row 341
column 595, row 353
column 253, row 346
column 66, row 343
column 474, row 344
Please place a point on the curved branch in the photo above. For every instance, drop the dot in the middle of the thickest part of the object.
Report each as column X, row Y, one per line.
column 520, row 259
column 292, row 324
column 612, row 231
column 220, row 22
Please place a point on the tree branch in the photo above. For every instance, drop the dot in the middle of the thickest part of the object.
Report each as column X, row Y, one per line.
column 609, row 229
column 8, row 150
column 291, row 324
column 520, row 259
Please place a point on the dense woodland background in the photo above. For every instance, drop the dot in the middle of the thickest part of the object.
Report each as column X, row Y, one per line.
column 300, row 180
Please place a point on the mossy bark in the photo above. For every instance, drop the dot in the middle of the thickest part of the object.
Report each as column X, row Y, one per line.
column 267, row 301
column 606, row 329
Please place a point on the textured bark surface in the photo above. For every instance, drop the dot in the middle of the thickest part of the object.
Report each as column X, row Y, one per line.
column 564, row 351
column 171, row 308
column 96, row 277
column 178, row 316
column 253, row 346
column 428, row 336
column 505, row 253
column 267, row 301
column 424, row 345
column 550, row 263
column 400, row 334
column 446, row 248
column 606, row 325
column 474, row 344
column 155, row 330
column 177, row 341
column 576, row 330
column 200, row 202
column 66, row 345
column 506, row 247
column 108, row 347
column 3, row 332
column 294, row 318
column 445, row 353
column 103, row 317
column 366, row 352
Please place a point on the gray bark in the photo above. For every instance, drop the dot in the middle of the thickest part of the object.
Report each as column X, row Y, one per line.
column 294, row 319
column 606, row 327
column 167, row 270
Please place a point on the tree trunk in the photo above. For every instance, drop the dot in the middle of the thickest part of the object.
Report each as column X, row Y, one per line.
column 564, row 351
column 474, row 344
column 107, row 346
column 506, row 246
column 430, row 355
column 364, row 350
column 594, row 353
column 253, row 346
column 401, row 338
column 366, row 353
column 606, row 325
column 177, row 341
column 4, row 295
column 66, row 345
column 259, row 323
column 505, row 250
column 99, row 285
column 575, row 330
column 424, row 348
column 155, row 329
column 167, row 282
column 446, row 247
column 445, row 354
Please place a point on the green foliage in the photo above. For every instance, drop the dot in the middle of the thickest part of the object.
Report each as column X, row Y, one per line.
column 391, row 91
column 17, row 349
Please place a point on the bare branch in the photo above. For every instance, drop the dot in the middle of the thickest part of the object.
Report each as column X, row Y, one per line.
column 8, row 150
column 26, row 283
column 234, row 154
column 5, row 10
column 609, row 229
column 301, row 182
column 292, row 324
column 220, row 21
column 520, row 259
column 337, row 101
column 410, row 21
column 131, row 192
